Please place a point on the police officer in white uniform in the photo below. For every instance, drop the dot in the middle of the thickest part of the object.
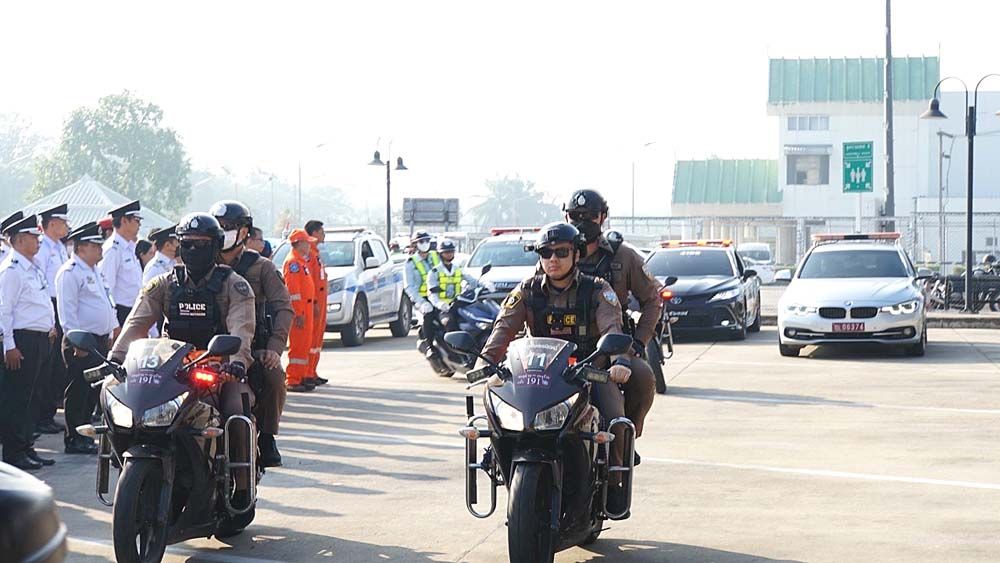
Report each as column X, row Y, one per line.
column 83, row 304
column 51, row 257
column 28, row 324
column 7, row 221
column 120, row 267
column 165, row 259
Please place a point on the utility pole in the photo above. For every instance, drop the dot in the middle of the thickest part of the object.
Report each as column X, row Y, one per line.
column 890, row 183
column 941, row 230
column 298, row 212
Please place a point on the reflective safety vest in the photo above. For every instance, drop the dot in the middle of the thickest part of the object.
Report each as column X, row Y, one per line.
column 446, row 282
column 422, row 269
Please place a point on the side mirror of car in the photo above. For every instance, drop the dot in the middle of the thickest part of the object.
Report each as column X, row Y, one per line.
column 747, row 274
column 371, row 263
column 783, row 276
column 485, row 270
column 461, row 341
column 613, row 344
column 224, row 345
column 83, row 340
column 671, row 280
column 924, row 273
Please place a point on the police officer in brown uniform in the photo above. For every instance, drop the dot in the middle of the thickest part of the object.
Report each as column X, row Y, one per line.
column 564, row 303
column 625, row 270
column 274, row 318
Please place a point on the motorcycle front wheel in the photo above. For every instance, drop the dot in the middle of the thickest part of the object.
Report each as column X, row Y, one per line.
column 654, row 353
column 138, row 538
column 529, row 509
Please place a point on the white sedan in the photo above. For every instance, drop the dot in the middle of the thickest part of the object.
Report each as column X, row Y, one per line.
column 854, row 288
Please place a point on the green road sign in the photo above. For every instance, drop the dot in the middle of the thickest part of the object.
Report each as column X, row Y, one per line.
column 858, row 169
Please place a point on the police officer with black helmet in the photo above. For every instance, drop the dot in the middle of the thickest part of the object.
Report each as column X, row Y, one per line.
column 624, row 268
column 274, row 319
column 198, row 300
column 562, row 302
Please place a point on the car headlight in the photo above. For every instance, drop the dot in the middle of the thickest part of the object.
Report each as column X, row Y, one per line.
column 509, row 417
column 119, row 413
column 801, row 310
column 163, row 415
column 554, row 417
column 336, row 285
column 907, row 308
column 726, row 295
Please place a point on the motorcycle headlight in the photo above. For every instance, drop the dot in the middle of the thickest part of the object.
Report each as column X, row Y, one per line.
column 726, row 295
column 163, row 415
column 336, row 285
column 554, row 417
column 801, row 310
column 483, row 325
column 119, row 413
column 509, row 417
column 907, row 308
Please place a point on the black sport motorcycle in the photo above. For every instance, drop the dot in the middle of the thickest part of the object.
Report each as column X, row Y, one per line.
column 179, row 459
column 549, row 445
column 475, row 313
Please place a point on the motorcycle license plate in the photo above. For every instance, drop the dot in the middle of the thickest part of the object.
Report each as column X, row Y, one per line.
column 848, row 327
column 677, row 313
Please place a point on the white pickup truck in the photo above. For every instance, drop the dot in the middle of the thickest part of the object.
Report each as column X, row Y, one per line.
column 365, row 287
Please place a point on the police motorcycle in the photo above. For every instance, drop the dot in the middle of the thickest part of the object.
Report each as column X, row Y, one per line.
column 476, row 314
column 663, row 335
column 179, row 459
column 548, row 444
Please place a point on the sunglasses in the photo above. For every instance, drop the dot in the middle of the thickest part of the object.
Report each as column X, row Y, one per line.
column 191, row 244
column 547, row 253
column 582, row 216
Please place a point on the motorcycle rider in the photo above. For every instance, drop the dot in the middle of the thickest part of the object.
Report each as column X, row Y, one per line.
column 562, row 302
column 989, row 264
column 417, row 271
column 623, row 268
column 274, row 318
column 445, row 284
column 200, row 299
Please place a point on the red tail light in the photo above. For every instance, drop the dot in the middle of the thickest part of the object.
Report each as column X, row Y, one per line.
column 203, row 376
column 666, row 294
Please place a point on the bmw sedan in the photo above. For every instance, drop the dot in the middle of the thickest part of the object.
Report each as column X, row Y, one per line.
column 714, row 293
column 854, row 288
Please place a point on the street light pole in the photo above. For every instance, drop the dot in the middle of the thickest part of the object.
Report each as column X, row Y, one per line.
column 941, row 229
column 377, row 161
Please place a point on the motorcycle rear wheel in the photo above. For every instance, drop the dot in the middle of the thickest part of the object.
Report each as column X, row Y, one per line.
column 137, row 537
column 529, row 508
column 654, row 351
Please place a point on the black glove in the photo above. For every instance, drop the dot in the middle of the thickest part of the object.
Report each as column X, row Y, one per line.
column 235, row 369
column 639, row 348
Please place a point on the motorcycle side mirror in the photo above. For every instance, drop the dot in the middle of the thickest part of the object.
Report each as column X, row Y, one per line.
column 461, row 341
column 614, row 344
column 671, row 280
column 486, row 270
column 83, row 340
column 224, row 345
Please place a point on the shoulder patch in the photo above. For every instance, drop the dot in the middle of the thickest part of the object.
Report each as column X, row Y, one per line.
column 512, row 299
column 294, row 267
column 242, row 287
column 610, row 296
column 149, row 286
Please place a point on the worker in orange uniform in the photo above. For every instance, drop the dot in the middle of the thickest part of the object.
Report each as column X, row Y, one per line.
column 302, row 293
column 318, row 273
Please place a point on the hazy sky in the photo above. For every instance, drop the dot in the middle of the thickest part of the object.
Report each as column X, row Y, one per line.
column 562, row 93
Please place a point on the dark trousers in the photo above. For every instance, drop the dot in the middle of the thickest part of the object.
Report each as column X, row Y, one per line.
column 269, row 388
column 80, row 397
column 16, row 421
column 122, row 312
column 52, row 380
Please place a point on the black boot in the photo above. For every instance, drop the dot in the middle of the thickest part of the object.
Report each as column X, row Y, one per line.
column 321, row 380
column 33, row 456
column 81, row 445
column 269, row 454
column 23, row 462
column 50, row 427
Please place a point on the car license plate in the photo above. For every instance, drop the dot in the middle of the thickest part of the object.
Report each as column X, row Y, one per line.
column 677, row 313
column 848, row 327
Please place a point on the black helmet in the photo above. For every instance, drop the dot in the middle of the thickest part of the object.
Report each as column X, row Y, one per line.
column 200, row 224
column 989, row 259
column 231, row 212
column 586, row 200
column 420, row 236
column 446, row 245
column 559, row 232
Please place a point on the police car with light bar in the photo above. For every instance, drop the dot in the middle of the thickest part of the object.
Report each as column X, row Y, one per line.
column 714, row 292
column 511, row 263
column 854, row 288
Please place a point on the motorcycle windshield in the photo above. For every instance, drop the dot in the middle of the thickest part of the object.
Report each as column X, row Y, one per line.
column 537, row 367
column 151, row 366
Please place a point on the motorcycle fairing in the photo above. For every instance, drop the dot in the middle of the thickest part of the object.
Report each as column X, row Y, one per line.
column 150, row 367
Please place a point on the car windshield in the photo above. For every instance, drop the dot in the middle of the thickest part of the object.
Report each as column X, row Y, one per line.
column 756, row 255
column 683, row 262
column 333, row 253
column 499, row 254
column 853, row 264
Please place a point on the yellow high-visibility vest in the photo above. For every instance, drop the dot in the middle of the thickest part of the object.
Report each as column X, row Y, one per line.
column 422, row 269
column 445, row 281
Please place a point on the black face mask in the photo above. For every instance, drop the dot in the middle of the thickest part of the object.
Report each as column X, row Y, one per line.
column 589, row 229
column 198, row 260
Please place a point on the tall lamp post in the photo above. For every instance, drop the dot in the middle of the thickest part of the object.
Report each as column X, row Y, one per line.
column 934, row 112
column 377, row 161
column 644, row 146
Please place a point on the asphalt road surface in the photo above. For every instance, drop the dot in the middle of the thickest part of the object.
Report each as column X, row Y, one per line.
column 847, row 454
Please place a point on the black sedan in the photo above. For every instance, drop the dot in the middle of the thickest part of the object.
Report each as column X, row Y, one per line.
column 715, row 291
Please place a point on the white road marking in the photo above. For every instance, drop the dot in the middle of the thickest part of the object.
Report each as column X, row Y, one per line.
column 830, row 473
column 200, row 554
column 369, row 439
column 831, row 403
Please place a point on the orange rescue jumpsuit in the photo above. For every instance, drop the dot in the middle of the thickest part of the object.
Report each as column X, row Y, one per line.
column 318, row 274
column 303, row 297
